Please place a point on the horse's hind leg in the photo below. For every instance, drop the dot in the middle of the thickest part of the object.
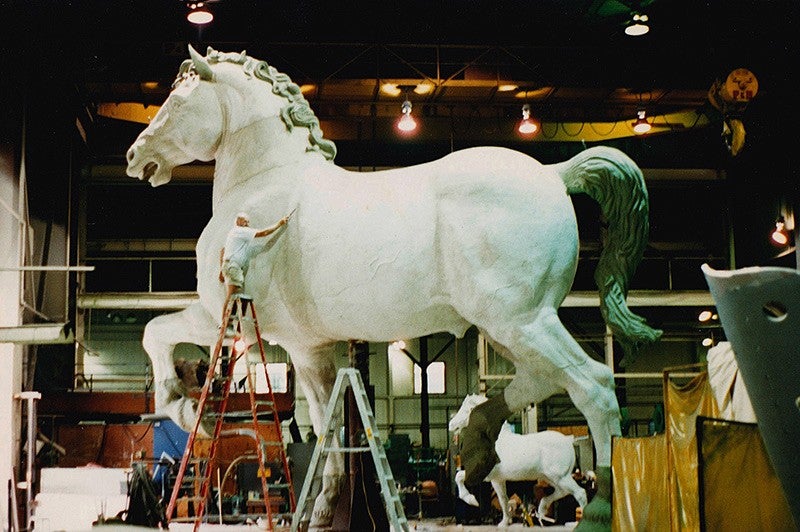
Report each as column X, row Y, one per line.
column 161, row 335
column 502, row 498
column 479, row 436
column 546, row 347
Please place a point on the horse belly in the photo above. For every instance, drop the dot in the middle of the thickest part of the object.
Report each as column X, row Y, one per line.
column 383, row 302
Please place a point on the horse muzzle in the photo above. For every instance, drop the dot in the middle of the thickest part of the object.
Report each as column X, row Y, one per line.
column 146, row 170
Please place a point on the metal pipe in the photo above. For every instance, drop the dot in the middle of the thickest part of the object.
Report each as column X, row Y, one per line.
column 30, row 397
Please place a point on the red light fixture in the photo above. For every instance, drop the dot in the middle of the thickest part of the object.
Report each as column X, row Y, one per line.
column 527, row 125
column 780, row 235
column 641, row 125
column 406, row 124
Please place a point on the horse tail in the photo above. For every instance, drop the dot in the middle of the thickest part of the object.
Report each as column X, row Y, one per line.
column 616, row 183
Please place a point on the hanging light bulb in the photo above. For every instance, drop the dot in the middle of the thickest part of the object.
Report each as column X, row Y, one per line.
column 705, row 315
column 407, row 123
column 637, row 25
column 527, row 126
column 780, row 236
column 641, row 125
column 198, row 13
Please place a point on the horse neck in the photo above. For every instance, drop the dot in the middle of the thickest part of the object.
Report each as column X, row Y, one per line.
column 253, row 150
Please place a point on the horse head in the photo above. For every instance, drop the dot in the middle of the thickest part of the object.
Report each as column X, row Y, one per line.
column 461, row 418
column 213, row 98
column 186, row 128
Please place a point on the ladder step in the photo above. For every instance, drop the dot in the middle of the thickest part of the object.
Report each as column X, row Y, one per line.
column 346, row 449
column 238, row 312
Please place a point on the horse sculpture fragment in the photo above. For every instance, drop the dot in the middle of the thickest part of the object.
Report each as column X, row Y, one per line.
column 547, row 455
column 484, row 236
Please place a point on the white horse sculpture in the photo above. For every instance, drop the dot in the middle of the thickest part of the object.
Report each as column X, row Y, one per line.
column 484, row 236
column 547, row 455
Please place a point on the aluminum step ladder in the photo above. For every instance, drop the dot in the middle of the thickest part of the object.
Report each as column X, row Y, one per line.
column 212, row 406
column 327, row 444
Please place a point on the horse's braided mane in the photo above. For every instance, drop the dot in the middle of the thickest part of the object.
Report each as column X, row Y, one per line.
column 298, row 112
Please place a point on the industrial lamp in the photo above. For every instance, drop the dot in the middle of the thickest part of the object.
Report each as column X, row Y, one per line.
column 198, row 13
column 641, row 125
column 706, row 315
column 527, row 125
column 406, row 124
column 637, row 25
column 780, row 236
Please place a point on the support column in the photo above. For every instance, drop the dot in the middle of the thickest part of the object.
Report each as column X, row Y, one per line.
column 11, row 355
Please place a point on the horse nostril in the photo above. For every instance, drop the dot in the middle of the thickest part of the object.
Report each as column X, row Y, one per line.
column 130, row 155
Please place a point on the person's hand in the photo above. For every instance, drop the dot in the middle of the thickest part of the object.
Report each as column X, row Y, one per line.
column 284, row 220
column 221, row 277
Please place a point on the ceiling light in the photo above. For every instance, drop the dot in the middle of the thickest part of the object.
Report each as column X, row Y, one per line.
column 527, row 125
column 307, row 88
column 641, row 125
column 708, row 342
column 637, row 25
column 391, row 89
column 407, row 123
column 423, row 88
column 507, row 87
column 198, row 13
column 780, row 236
column 705, row 315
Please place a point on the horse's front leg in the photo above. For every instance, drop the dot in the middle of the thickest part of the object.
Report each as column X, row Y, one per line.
column 316, row 373
column 161, row 335
column 463, row 493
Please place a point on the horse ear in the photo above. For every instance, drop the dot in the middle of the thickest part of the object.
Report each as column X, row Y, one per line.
column 201, row 66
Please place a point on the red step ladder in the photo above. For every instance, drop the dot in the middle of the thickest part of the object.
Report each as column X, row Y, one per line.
column 212, row 405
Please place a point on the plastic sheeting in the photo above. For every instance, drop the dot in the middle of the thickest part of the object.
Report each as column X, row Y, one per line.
column 738, row 486
column 728, row 386
column 655, row 484
column 683, row 405
column 640, row 496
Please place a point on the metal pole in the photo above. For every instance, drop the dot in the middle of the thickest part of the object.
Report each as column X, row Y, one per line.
column 30, row 397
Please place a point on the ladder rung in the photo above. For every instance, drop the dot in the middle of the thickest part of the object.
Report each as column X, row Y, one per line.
column 346, row 449
column 239, row 311
column 192, row 499
column 187, row 478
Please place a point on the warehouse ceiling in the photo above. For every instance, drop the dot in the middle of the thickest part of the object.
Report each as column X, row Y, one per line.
column 569, row 60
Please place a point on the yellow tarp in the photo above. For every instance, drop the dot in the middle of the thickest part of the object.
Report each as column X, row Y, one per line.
column 682, row 406
column 654, row 479
column 738, row 486
column 640, row 496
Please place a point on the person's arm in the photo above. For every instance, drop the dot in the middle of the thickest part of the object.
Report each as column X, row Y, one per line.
column 271, row 229
column 221, row 256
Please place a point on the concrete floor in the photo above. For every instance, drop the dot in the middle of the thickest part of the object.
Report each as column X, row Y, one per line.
column 440, row 524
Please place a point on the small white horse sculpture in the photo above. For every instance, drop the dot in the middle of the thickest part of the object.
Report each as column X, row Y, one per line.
column 484, row 236
column 547, row 455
